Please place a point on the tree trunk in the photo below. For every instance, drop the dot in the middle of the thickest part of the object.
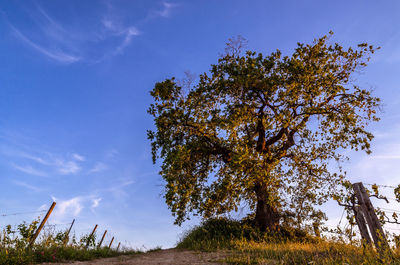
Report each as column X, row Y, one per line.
column 267, row 216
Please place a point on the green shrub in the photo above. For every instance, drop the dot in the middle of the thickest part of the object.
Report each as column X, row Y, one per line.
column 218, row 233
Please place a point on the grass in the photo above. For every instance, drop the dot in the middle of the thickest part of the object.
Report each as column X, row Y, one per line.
column 51, row 246
column 244, row 244
column 305, row 253
column 55, row 254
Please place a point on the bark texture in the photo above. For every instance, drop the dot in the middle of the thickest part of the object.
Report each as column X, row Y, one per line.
column 267, row 216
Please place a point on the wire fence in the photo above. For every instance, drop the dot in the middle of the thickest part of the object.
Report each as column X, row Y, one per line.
column 55, row 228
column 22, row 213
column 380, row 185
column 387, row 210
column 342, row 225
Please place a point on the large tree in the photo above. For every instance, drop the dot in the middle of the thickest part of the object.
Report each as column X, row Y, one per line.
column 262, row 131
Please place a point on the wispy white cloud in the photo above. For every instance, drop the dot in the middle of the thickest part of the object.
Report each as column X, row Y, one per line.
column 17, row 153
column 89, row 43
column 118, row 190
column 78, row 157
column 113, row 26
column 111, row 153
column 70, row 208
column 67, row 167
column 98, row 167
column 48, row 163
column 57, row 55
column 55, row 26
column 116, row 28
column 165, row 11
column 167, row 8
column 26, row 185
column 29, row 170
column 43, row 207
column 95, row 203
column 129, row 34
column 34, row 158
column 67, row 208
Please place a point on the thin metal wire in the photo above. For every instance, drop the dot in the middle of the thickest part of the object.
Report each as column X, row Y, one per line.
column 396, row 229
column 54, row 225
column 388, row 210
column 20, row 213
column 382, row 186
column 344, row 209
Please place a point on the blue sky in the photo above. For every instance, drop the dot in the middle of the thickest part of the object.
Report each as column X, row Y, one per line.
column 75, row 78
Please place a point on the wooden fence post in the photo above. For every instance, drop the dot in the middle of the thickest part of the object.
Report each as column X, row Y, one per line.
column 102, row 238
column 361, row 224
column 67, row 234
column 112, row 239
column 91, row 234
column 372, row 220
column 42, row 224
column 119, row 244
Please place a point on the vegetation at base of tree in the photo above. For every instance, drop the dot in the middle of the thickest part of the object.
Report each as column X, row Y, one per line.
column 243, row 244
column 221, row 232
column 50, row 246
column 263, row 131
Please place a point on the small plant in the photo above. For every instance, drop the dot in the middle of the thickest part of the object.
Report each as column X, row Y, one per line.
column 157, row 248
column 88, row 240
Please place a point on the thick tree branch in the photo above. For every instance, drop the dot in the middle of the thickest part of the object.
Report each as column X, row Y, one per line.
column 214, row 147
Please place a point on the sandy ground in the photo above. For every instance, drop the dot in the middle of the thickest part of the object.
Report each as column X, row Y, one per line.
column 167, row 256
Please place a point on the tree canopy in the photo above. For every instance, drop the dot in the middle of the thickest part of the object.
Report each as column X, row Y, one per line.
column 261, row 131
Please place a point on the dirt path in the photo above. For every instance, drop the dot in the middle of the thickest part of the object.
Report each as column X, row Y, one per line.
column 168, row 256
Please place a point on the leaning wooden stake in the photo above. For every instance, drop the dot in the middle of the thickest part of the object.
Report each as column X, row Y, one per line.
column 361, row 224
column 102, row 238
column 91, row 234
column 112, row 239
column 42, row 224
column 368, row 211
column 119, row 244
column 67, row 234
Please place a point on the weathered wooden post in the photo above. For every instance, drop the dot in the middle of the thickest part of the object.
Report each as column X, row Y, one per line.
column 102, row 238
column 368, row 211
column 67, row 234
column 91, row 235
column 42, row 224
column 119, row 244
column 360, row 220
column 112, row 239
